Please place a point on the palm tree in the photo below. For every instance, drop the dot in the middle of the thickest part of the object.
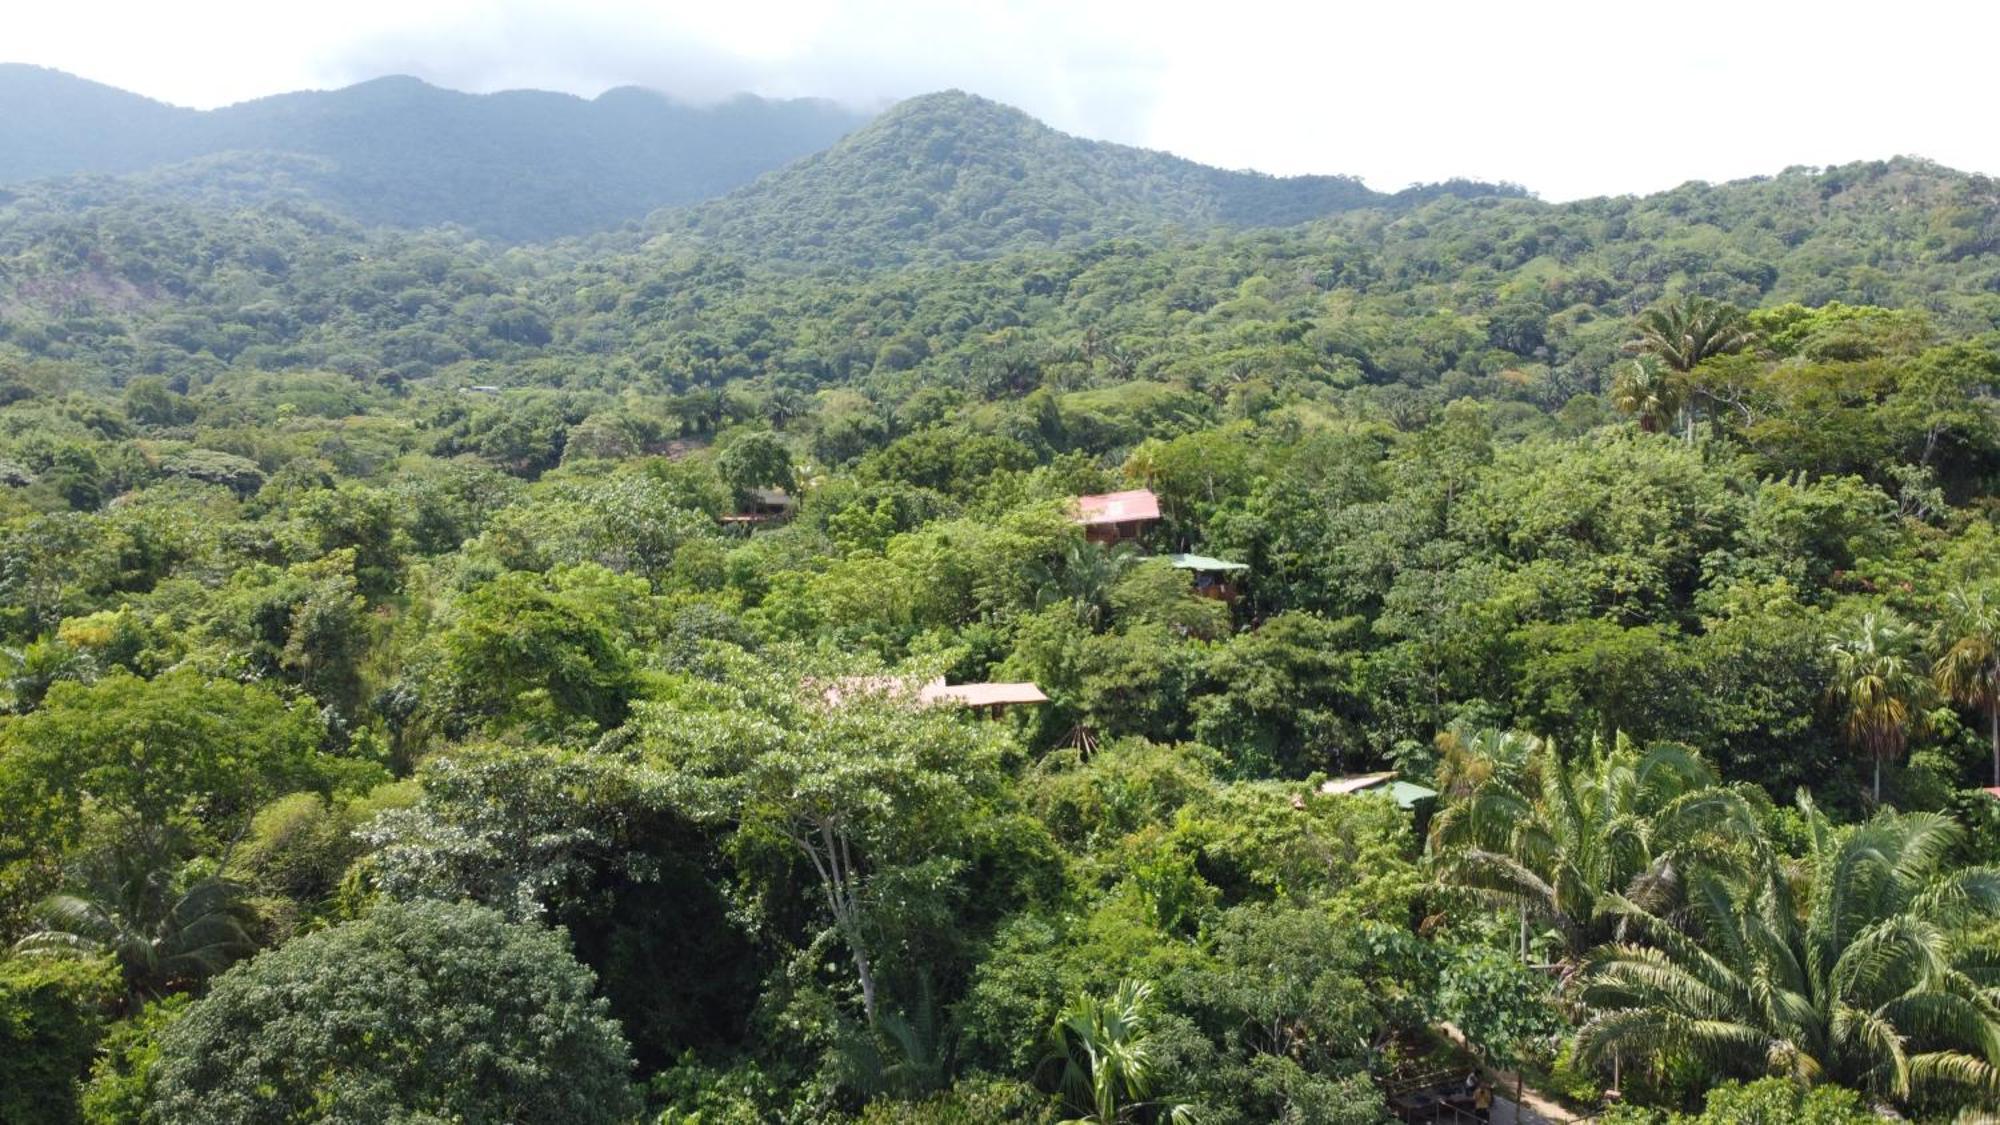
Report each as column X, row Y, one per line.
column 1967, row 670
column 1469, row 759
column 1875, row 982
column 1551, row 838
column 1646, row 389
column 1107, row 1063
column 1681, row 333
column 903, row 1056
column 1083, row 576
column 165, row 937
column 1880, row 687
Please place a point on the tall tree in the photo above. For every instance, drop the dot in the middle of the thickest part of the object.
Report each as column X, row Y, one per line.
column 1650, row 392
column 1967, row 669
column 1880, row 687
column 1679, row 335
column 753, row 461
column 418, row 1012
column 873, row 793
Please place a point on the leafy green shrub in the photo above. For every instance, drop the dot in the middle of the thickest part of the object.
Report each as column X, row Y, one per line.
column 52, row 1013
column 418, row 1011
column 1766, row 1101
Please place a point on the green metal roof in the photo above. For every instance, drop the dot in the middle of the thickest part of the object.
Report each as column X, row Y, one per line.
column 1203, row 562
column 1407, row 795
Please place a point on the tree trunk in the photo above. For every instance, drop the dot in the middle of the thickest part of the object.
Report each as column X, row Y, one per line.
column 866, row 972
column 1993, row 732
column 1878, row 779
column 834, row 861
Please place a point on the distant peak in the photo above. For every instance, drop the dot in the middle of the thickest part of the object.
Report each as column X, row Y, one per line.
column 954, row 113
column 392, row 82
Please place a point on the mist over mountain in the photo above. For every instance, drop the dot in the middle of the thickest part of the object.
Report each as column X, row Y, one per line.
column 518, row 166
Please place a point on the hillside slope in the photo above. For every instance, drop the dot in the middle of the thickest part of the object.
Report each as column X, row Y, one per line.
column 955, row 176
column 55, row 124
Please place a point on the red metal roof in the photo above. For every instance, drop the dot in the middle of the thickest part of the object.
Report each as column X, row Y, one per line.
column 1118, row 507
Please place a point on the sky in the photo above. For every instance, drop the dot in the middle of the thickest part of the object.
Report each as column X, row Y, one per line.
column 1566, row 97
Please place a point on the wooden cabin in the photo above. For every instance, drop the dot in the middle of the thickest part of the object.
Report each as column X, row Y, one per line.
column 1117, row 517
column 1213, row 578
column 766, row 506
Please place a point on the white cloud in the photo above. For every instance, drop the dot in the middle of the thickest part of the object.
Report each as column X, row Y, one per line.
column 1568, row 97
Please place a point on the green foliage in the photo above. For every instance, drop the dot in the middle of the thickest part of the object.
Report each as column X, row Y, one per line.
column 239, row 474
column 52, row 1014
column 967, row 1103
column 180, row 749
column 549, row 654
column 121, row 1078
column 886, row 803
column 1559, row 839
column 520, row 831
column 291, row 507
column 1766, row 1101
column 420, row 1010
column 753, row 461
column 1106, row 1062
column 1879, row 687
column 1853, row 978
column 165, row 931
column 1504, row 1008
column 298, row 849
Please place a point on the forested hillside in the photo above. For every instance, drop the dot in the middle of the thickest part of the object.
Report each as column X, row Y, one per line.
column 515, row 166
column 449, row 681
column 953, row 175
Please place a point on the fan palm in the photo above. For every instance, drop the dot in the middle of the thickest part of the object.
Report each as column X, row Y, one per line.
column 1880, row 686
column 164, row 936
column 1681, row 333
column 1550, row 838
column 1967, row 669
column 905, row 1056
column 1107, row 1063
column 1876, row 983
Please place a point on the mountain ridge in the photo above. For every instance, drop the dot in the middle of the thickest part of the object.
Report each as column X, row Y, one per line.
column 943, row 176
column 517, row 165
column 953, row 175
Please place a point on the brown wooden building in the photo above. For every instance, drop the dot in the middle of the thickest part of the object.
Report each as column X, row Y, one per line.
column 1117, row 517
column 766, row 506
column 1213, row 578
